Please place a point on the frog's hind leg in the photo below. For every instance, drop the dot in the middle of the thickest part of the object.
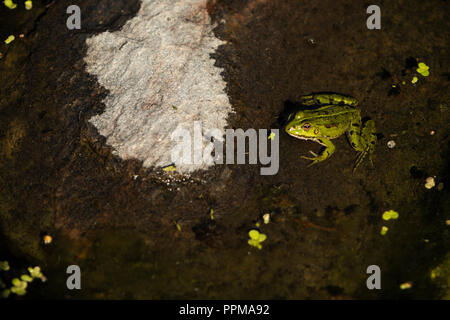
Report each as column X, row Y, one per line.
column 368, row 135
column 327, row 98
column 363, row 140
column 325, row 154
column 360, row 158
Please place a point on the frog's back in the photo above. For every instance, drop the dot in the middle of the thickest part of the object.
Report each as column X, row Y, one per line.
column 328, row 111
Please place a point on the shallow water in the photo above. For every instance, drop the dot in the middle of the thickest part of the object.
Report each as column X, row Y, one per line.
column 58, row 176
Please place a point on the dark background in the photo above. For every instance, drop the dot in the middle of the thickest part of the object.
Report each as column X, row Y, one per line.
column 58, row 176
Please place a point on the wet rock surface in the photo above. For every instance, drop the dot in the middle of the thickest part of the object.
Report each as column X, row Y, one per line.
column 161, row 79
column 137, row 232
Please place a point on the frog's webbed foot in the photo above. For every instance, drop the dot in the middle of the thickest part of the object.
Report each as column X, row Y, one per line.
column 315, row 159
column 360, row 158
column 326, row 153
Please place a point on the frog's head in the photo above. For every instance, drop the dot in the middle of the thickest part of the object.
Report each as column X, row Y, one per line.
column 301, row 127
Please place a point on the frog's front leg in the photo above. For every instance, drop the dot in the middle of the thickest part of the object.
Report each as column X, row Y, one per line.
column 326, row 153
column 328, row 98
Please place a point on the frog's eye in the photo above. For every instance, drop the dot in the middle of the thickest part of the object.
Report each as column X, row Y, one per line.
column 306, row 126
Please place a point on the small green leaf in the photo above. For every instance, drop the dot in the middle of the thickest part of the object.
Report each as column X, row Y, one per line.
column 390, row 214
column 16, row 282
column 423, row 66
column 169, row 169
column 256, row 238
column 423, row 69
column 28, row 5
column 10, row 39
column 10, row 4
column 19, row 291
column 36, row 273
column 26, row 278
column 6, row 293
column 254, row 234
column 177, row 225
column 4, row 266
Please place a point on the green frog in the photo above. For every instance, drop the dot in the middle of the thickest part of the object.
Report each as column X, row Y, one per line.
column 333, row 115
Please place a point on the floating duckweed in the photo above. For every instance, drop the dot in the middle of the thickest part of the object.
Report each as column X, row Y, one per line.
column 10, row 4
column 414, row 80
column 435, row 273
column 384, row 230
column 26, row 278
column 390, row 214
column 256, row 238
column 266, row 218
column 20, row 284
column 36, row 273
column 19, row 287
column 177, row 225
column 271, row 136
column 429, row 183
column 423, row 69
column 10, row 39
column 6, row 293
column 28, row 4
column 406, row 285
column 169, row 169
column 4, row 266
column 253, row 234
